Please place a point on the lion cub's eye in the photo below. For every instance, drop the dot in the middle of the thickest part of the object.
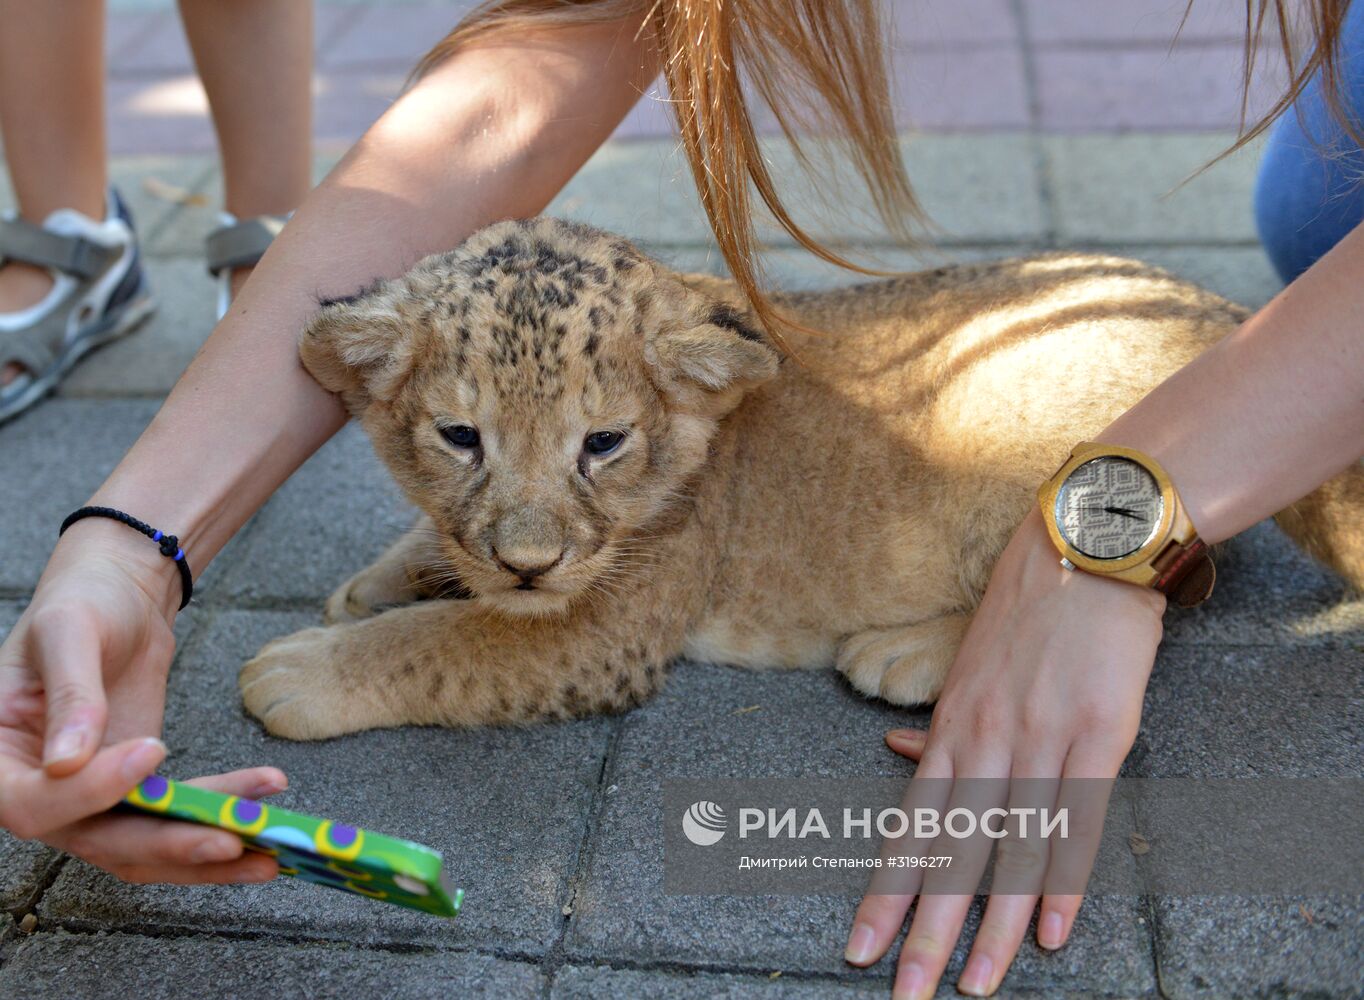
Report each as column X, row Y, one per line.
column 461, row 436
column 602, row 442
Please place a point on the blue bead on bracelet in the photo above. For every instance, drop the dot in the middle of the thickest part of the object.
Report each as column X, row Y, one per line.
column 168, row 544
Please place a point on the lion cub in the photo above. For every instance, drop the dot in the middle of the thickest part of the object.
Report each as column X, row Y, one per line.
column 617, row 469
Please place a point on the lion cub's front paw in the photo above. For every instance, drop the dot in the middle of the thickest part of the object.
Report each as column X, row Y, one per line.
column 292, row 686
column 367, row 593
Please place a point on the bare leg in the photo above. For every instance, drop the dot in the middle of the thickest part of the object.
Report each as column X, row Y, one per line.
column 52, row 120
column 255, row 58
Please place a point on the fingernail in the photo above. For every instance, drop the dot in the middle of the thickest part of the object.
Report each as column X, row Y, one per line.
column 860, row 944
column 906, row 735
column 215, row 849
column 267, row 788
column 910, row 982
column 143, row 759
column 975, row 980
column 66, row 744
column 1049, row 931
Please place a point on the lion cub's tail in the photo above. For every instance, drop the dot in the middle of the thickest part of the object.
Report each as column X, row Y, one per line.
column 1329, row 524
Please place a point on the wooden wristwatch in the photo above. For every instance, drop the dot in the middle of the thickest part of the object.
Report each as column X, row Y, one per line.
column 1114, row 512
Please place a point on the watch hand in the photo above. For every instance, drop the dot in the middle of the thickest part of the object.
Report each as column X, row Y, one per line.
column 1125, row 513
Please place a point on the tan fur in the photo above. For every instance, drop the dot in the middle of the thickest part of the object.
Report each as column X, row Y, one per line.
column 844, row 509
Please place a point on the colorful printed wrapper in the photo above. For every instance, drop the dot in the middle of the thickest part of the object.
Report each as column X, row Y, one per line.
column 315, row 850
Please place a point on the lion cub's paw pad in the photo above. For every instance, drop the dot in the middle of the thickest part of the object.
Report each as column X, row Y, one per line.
column 905, row 666
column 292, row 688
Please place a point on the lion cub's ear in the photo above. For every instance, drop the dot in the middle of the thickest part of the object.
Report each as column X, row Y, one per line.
column 361, row 346
column 714, row 362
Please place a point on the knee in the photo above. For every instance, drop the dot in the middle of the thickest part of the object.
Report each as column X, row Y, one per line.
column 1309, row 192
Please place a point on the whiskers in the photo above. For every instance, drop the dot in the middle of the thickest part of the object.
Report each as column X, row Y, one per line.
column 630, row 562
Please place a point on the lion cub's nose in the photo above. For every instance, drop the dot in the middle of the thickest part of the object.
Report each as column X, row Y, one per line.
column 528, row 562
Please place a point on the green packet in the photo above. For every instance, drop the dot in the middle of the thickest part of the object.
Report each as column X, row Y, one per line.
column 316, row 850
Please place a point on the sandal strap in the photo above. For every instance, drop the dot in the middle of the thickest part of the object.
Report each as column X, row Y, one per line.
column 35, row 348
column 26, row 243
column 242, row 243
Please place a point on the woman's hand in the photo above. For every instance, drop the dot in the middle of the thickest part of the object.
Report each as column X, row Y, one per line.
column 1048, row 684
column 82, row 689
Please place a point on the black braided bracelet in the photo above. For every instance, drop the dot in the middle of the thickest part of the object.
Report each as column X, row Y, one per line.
column 169, row 544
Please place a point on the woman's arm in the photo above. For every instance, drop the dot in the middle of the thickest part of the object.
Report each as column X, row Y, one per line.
column 1050, row 678
column 491, row 133
column 1272, row 411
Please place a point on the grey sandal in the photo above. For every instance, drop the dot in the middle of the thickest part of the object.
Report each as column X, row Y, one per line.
column 98, row 294
column 238, row 243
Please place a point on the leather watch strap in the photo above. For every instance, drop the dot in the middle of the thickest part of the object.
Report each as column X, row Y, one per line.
column 1186, row 573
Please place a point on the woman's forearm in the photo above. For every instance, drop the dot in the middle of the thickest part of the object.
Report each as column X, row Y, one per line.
column 492, row 133
column 1272, row 411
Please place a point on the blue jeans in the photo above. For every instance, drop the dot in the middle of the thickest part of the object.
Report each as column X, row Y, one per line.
column 1310, row 189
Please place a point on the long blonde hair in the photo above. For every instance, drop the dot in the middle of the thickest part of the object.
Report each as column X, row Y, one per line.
column 819, row 66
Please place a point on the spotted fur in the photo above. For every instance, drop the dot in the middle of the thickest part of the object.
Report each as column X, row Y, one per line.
column 846, row 509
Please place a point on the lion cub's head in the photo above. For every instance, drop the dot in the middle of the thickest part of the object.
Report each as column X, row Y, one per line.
column 543, row 392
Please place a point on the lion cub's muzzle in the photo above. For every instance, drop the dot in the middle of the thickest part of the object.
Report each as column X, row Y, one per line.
column 528, row 544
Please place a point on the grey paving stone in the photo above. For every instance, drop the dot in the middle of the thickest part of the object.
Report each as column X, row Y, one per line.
column 1111, row 190
column 9, row 614
column 148, row 361
column 338, row 512
column 116, row 966
column 806, row 723
column 183, row 235
column 576, row 982
column 184, row 231
column 57, row 454
column 1291, row 710
column 506, row 806
column 973, row 187
column 1254, row 711
column 581, row 982
column 1260, row 947
column 24, row 866
column 1269, row 592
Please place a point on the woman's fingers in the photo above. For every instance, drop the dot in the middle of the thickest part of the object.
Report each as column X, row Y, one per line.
column 1087, row 780
column 948, row 891
column 249, row 783
column 1020, row 870
column 66, row 656
column 875, row 925
column 1058, row 917
column 250, row 867
column 928, row 945
column 163, row 850
column 1001, row 933
column 882, row 911
column 907, row 742
column 33, row 804
column 115, row 841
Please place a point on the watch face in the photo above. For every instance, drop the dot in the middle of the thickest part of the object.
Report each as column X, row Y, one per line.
column 1109, row 507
